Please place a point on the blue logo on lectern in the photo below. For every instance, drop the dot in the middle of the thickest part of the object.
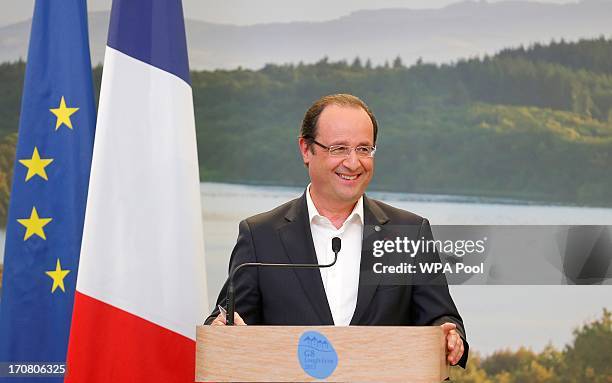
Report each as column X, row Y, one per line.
column 317, row 355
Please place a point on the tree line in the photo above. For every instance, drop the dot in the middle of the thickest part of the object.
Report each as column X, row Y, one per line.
column 585, row 359
column 529, row 123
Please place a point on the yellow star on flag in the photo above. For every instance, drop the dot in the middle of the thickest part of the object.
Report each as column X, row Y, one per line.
column 58, row 276
column 63, row 114
column 36, row 165
column 34, row 225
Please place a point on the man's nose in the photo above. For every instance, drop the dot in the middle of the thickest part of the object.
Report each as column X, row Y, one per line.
column 352, row 161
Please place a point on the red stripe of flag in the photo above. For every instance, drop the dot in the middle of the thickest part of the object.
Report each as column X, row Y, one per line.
column 126, row 348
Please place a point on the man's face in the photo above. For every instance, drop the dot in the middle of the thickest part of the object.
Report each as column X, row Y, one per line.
column 340, row 180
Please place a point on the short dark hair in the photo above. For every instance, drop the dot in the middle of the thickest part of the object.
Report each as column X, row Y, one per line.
column 311, row 118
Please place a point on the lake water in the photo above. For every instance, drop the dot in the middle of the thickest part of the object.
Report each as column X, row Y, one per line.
column 496, row 317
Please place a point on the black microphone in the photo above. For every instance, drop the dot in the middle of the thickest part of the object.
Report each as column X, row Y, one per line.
column 230, row 296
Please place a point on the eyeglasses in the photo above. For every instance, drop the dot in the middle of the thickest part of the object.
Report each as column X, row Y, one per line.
column 364, row 151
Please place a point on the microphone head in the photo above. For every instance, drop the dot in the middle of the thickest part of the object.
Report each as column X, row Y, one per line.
column 336, row 244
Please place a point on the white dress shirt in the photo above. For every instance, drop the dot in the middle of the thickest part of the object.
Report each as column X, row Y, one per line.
column 341, row 281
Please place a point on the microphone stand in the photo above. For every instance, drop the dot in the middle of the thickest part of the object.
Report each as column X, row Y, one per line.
column 230, row 296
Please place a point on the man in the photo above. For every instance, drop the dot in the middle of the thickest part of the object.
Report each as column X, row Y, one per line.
column 337, row 143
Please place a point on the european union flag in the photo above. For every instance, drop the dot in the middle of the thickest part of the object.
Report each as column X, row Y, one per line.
column 47, row 207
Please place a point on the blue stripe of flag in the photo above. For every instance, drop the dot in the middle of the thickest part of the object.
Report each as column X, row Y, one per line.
column 152, row 31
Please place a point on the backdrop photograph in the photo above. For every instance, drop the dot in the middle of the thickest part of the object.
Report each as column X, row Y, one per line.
column 490, row 113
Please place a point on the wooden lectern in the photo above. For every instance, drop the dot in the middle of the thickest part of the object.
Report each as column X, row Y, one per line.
column 294, row 354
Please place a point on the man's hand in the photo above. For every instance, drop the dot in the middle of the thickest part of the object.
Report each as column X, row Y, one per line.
column 220, row 320
column 454, row 343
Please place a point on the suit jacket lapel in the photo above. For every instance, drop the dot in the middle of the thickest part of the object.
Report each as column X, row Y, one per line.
column 374, row 219
column 299, row 246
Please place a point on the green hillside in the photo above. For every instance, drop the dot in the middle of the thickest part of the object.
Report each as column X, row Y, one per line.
column 498, row 127
column 529, row 123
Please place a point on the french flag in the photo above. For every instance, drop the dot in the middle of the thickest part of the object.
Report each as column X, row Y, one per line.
column 141, row 287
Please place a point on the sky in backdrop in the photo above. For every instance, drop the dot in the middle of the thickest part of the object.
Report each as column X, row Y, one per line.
column 245, row 12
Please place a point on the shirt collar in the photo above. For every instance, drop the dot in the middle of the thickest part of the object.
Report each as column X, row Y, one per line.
column 314, row 213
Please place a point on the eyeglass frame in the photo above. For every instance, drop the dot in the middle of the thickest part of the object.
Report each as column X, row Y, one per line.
column 352, row 148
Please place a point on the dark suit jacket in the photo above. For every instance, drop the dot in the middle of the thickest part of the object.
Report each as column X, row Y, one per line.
column 274, row 296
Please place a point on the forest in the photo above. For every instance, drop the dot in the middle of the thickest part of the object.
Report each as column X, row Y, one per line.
column 528, row 124
column 585, row 359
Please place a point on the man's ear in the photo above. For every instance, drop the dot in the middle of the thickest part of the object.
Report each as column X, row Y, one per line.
column 305, row 150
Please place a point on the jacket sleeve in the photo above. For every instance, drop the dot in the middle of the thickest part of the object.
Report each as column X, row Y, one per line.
column 246, row 281
column 432, row 303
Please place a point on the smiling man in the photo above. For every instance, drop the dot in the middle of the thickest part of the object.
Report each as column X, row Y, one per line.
column 338, row 143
